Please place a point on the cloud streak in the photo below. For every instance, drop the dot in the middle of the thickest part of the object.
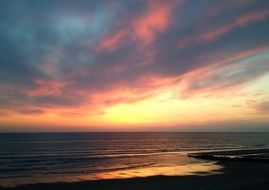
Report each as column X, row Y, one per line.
column 96, row 54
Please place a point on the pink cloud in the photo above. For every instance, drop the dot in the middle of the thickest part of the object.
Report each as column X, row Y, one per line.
column 45, row 88
column 112, row 42
column 261, row 107
column 152, row 22
column 144, row 27
column 238, row 22
column 216, row 33
column 222, row 6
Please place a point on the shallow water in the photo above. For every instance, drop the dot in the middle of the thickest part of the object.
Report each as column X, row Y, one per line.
column 52, row 157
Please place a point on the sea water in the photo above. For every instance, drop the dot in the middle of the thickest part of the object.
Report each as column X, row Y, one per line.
column 53, row 157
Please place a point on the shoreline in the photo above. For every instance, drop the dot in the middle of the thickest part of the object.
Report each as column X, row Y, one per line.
column 234, row 174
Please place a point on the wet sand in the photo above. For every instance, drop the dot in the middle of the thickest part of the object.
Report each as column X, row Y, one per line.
column 237, row 175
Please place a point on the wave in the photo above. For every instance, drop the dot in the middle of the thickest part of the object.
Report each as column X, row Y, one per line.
column 96, row 155
column 81, row 156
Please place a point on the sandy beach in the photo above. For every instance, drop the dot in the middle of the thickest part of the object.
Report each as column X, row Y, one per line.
column 234, row 175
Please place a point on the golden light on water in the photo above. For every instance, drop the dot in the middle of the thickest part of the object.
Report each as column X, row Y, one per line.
column 209, row 168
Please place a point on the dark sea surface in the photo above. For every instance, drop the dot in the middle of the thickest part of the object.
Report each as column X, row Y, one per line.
column 51, row 157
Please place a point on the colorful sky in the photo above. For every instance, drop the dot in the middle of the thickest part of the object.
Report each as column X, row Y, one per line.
column 134, row 65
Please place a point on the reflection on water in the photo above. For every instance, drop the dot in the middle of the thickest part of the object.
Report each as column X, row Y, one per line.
column 189, row 169
column 167, row 164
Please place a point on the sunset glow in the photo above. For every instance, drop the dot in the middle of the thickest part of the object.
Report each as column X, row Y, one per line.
column 134, row 65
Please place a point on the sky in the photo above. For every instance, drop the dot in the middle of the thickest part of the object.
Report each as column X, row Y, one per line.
column 134, row 65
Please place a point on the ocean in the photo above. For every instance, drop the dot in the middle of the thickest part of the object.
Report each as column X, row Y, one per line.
column 27, row 158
